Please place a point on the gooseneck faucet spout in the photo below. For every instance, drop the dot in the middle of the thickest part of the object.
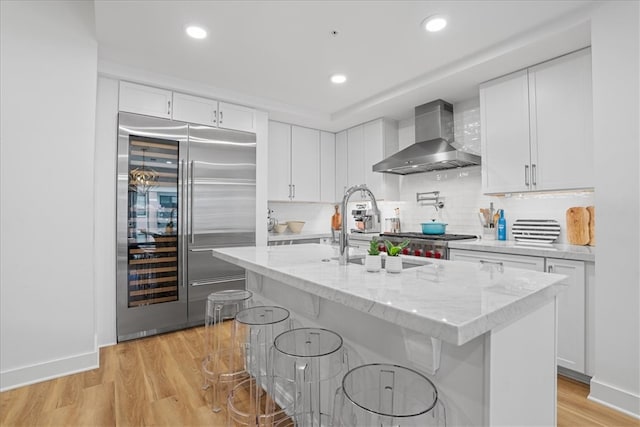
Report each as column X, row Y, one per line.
column 343, row 259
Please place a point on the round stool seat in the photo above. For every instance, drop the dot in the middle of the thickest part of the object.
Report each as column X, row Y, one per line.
column 308, row 358
column 387, row 395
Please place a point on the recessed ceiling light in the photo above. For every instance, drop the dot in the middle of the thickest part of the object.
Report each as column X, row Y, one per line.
column 196, row 32
column 338, row 78
column 434, row 23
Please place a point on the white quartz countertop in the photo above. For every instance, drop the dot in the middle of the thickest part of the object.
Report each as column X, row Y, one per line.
column 449, row 300
column 552, row 250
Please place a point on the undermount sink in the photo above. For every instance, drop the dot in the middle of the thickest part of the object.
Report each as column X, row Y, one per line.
column 406, row 263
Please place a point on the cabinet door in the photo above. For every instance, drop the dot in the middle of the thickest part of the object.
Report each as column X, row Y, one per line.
column 561, row 123
column 145, row 100
column 237, row 117
column 372, row 153
column 504, row 117
column 193, row 109
column 327, row 167
column 355, row 156
column 506, row 260
column 279, row 174
column 305, row 164
column 341, row 164
column 571, row 314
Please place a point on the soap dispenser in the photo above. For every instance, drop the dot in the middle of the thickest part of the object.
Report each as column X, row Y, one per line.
column 502, row 226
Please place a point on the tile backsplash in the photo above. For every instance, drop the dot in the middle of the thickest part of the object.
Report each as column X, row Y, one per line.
column 460, row 190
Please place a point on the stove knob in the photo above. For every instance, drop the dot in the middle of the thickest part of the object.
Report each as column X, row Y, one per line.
column 405, row 251
column 417, row 252
column 438, row 255
column 428, row 254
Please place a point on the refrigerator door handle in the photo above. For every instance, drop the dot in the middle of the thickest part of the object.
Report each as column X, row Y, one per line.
column 183, row 165
column 220, row 280
column 191, row 237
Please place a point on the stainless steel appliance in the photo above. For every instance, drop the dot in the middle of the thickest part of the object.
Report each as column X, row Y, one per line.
column 366, row 219
column 433, row 149
column 430, row 246
column 183, row 189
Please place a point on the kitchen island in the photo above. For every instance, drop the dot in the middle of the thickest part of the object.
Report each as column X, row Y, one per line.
column 485, row 335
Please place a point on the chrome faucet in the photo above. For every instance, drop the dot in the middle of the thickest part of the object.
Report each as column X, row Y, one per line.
column 343, row 259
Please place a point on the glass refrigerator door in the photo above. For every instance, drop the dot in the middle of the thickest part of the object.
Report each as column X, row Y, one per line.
column 153, row 221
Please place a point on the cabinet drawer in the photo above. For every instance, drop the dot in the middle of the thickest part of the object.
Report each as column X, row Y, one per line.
column 507, row 260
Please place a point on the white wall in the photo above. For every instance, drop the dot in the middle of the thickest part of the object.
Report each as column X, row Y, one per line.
column 48, row 80
column 615, row 48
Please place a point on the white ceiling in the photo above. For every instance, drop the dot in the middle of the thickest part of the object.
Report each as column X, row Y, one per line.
column 278, row 55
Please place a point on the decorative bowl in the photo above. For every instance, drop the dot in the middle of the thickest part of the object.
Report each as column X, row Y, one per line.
column 296, row 226
column 279, row 228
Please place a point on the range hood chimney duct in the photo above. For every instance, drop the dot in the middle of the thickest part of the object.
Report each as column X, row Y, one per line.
column 432, row 149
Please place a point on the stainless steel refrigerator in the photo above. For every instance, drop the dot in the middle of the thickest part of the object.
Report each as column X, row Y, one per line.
column 182, row 190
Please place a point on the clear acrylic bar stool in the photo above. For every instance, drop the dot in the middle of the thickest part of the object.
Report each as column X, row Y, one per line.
column 387, row 395
column 251, row 403
column 222, row 365
column 307, row 360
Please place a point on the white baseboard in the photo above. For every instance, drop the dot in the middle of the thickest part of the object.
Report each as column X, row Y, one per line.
column 15, row 378
column 615, row 398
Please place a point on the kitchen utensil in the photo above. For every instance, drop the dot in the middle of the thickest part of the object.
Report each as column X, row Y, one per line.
column 296, row 226
column 433, row 227
column 536, row 230
column 592, row 225
column 578, row 225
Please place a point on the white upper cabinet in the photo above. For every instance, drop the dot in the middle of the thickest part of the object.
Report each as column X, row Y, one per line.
column 156, row 102
column 504, row 129
column 355, row 156
column 536, row 127
column 294, row 163
column 327, row 167
column 305, row 164
column 561, row 130
column 145, row 100
column 236, row 117
column 193, row 109
column 367, row 144
column 341, row 164
column 279, row 172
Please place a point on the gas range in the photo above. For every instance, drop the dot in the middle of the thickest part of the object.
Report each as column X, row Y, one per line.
column 427, row 245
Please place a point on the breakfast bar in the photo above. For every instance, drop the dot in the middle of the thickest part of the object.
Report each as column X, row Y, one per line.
column 485, row 335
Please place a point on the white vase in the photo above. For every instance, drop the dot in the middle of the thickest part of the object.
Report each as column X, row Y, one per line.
column 393, row 264
column 373, row 263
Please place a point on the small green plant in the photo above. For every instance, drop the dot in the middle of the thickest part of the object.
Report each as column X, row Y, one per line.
column 395, row 250
column 373, row 247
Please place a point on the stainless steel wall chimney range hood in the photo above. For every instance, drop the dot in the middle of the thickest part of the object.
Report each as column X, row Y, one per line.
column 432, row 149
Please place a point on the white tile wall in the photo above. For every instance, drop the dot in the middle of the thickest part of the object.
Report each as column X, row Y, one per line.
column 460, row 190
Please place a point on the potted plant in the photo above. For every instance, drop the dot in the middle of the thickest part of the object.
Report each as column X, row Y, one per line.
column 373, row 261
column 394, row 262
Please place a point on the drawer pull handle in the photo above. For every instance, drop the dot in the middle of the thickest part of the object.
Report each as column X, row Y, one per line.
column 484, row 261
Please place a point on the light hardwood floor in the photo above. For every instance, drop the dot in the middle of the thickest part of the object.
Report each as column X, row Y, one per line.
column 156, row 381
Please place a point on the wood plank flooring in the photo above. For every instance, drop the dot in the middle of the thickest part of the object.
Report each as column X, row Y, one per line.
column 156, row 381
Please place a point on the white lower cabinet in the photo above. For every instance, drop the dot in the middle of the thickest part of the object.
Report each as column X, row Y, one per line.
column 571, row 314
column 505, row 260
column 575, row 325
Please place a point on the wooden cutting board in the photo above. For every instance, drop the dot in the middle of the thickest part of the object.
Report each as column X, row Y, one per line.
column 592, row 225
column 578, row 226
